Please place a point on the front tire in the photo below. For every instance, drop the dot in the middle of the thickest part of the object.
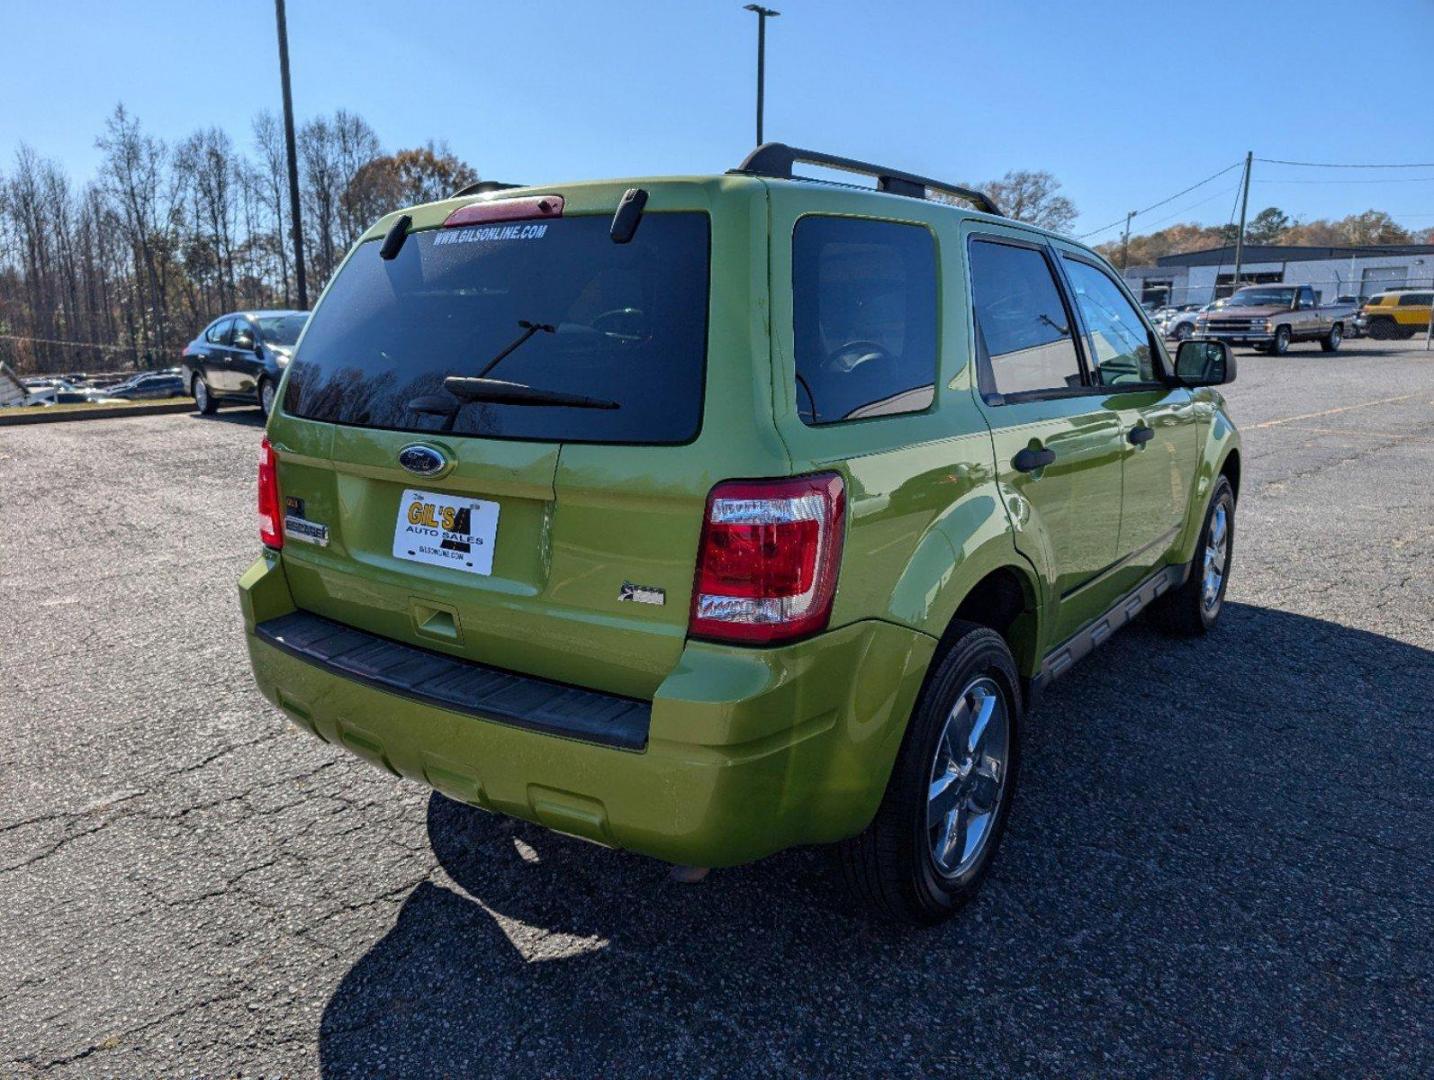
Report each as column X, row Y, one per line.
column 1281, row 344
column 940, row 823
column 203, row 399
column 1331, row 341
column 1192, row 609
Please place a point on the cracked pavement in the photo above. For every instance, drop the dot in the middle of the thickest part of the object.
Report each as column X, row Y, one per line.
column 1218, row 864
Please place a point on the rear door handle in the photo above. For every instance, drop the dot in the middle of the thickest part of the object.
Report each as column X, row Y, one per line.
column 1029, row 460
column 1141, row 434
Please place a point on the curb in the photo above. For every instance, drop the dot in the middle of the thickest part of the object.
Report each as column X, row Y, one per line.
column 20, row 415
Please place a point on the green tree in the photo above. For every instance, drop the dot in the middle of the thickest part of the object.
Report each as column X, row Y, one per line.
column 1267, row 227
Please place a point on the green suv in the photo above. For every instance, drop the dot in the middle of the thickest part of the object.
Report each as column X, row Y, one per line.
column 707, row 516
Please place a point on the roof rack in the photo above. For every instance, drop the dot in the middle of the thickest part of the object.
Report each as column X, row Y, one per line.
column 776, row 160
column 483, row 187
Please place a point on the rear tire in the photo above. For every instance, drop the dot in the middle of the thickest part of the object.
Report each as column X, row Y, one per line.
column 203, row 399
column 1183, row 332
column 941, row 820
column 1192, row 609
column 1331, row 341
column 266, row 397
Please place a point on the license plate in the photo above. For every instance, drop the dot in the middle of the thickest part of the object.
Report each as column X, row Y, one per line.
column 441, row 530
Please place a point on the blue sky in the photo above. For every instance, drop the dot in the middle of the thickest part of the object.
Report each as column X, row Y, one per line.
column 1125, row 102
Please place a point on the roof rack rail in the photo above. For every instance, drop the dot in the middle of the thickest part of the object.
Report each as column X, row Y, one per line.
column 776, row 160
column 483, row 187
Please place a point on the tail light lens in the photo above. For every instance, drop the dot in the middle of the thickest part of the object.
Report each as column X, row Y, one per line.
column 271, row 529
column 767, row 566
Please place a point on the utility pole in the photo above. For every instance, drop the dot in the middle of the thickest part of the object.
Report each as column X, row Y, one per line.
column 763, row 14
column 1125, row 240
column 1240, row 236
column 293, row 157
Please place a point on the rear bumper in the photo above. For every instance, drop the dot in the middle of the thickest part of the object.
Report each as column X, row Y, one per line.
column 748, row 751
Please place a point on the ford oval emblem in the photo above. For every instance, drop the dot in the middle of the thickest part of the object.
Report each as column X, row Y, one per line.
column 423, row 460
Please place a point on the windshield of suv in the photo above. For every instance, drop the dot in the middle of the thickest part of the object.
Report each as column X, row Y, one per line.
column 622, row 323
column 1262, row 298
column 281, row 329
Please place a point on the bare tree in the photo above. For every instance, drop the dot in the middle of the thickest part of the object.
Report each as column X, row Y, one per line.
column 1032, row 197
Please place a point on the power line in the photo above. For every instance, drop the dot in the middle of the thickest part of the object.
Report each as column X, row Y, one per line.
column 1191, row 188
column 1169, row 198
column 1344, row 165
column 1388, row 180
column 1191, row 206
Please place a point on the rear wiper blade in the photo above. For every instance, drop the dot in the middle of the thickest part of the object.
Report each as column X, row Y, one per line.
column 511, row 393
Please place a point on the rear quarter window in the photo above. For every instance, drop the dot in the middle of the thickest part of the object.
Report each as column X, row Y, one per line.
column 864, row 318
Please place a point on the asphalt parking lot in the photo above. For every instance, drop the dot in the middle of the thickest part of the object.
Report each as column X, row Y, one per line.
column 1219, row 861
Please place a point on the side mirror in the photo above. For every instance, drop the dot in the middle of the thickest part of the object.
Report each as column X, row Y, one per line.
column 1199, row 362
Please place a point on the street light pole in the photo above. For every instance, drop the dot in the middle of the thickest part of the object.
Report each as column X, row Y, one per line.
column 763, row 14
column 293, row 158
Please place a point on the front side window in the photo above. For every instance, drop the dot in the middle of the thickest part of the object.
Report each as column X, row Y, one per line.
column 243, row 336
column 1022, row 328
column 529, row 330
column 218, row 334
column 1307, row 298
column 864, row 318
column 1120, row 345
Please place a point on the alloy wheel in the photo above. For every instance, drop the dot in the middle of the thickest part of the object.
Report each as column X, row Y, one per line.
column 968, row 777
column 1217, row 551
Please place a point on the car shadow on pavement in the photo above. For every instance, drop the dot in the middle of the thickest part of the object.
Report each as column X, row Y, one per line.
column 1210, row 868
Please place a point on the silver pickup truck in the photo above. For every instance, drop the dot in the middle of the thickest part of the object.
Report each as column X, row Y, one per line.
column 1271, row 317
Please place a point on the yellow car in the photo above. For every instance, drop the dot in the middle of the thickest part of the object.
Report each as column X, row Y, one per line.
column 1399, row 314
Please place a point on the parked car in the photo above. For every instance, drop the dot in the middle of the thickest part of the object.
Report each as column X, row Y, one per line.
column 697, row 518
column 77, row 397
column 1401, row 313
column 1181, row 325
column 240, row 357
column 1269, row 318
column 149, row 386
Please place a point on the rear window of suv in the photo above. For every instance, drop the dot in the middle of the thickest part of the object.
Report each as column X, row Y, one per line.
column 623, row 324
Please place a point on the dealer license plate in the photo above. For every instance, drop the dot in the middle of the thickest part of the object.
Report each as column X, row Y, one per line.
column 441, row 530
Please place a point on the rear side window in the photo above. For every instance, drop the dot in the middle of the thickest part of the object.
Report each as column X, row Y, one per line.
column 555, row 307
column 1416, row 299
column 864, row 318
column 1119, row 342
column 1022, row 328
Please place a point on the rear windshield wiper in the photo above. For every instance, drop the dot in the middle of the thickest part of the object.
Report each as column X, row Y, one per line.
column 468, row 389
column 529, row 329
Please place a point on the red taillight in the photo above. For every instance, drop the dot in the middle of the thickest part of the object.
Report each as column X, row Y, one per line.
column 767, row 566
column 533, row 206
column 271, row 528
